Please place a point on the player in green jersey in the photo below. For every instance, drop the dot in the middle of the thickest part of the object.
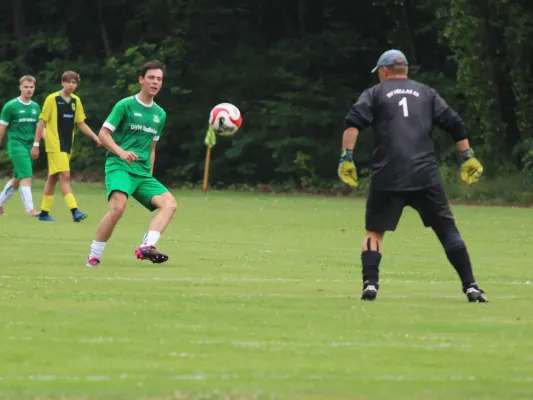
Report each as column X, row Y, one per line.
column 130, row 134
column 19, row 118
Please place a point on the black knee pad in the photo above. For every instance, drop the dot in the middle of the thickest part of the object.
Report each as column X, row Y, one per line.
column 450, row 237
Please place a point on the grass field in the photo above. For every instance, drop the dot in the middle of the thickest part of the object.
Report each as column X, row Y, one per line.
column 260, row 300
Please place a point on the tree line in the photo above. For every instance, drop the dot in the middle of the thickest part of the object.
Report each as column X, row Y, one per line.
column 293, row 68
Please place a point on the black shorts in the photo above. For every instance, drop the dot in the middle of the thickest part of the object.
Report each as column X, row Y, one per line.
column 384, row 208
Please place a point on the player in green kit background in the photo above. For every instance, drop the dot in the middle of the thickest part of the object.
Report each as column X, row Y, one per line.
column 19, row 118
column 130, row 134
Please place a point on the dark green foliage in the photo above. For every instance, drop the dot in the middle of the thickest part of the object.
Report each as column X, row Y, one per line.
column 293, row 68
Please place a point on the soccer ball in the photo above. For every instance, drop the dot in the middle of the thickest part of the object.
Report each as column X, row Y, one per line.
column 225, row 119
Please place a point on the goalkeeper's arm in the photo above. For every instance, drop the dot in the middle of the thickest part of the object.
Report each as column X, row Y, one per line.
column 448, row 119
column 349, row 138
column 346, row 169
column 359, row 117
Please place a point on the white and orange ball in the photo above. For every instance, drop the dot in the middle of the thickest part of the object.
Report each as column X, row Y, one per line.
column 225, row 119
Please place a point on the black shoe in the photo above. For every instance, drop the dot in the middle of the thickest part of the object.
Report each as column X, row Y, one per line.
column 369, row 293
column 475, row 294
column 150, row 253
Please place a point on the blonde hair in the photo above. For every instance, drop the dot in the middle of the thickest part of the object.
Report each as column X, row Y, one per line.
column 28, row 78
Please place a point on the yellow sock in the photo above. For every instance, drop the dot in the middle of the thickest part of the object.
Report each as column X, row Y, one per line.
column 47, row 202
column 71, row 201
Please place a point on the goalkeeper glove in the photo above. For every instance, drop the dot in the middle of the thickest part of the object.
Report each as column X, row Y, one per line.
column 471, row 168
column 346, row 171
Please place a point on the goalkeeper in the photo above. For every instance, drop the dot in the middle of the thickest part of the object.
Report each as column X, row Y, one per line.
column 402, row 114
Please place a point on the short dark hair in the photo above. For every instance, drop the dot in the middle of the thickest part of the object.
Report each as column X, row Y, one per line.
column 70, row 76
column 154, row 64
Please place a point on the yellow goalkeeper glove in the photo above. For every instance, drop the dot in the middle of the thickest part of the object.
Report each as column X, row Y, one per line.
column 471, row 168
column 347, row 171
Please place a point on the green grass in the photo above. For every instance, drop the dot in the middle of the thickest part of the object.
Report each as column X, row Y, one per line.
column 260, row 300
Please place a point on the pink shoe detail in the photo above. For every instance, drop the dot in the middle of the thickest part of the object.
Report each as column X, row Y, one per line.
column 92, row 262
column 150, row 253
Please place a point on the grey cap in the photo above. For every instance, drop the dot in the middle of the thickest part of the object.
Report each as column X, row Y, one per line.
column 391, row 57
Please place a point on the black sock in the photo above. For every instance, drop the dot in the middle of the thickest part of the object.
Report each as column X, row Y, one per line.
column 73, row 210
column 460, row 260
column 44, row 213
column 370, row 260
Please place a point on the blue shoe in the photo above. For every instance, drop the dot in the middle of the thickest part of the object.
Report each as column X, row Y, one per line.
column 46, row 217
column 78, row 216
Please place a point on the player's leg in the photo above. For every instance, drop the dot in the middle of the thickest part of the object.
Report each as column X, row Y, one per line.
column 154, row 196
column 48, row 198
column 49, row 188
column 434, row 208
column 27, row 197
column 117, row 207
column 118, row 188
column 9, row 190
column 383, row 212
column 63, row 163
column 24, row 172
column 12, row 185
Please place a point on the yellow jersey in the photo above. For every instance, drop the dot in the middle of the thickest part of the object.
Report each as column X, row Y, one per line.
column 60, row 117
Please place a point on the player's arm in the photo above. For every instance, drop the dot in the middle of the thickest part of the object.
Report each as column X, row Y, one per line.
column 87, row 131
column 44, row 117
column 41, row 125
column 106, row 137
column 39, row 131
column 79, row 119
column 358, row 118
column 155, row 140
column 4, row 122
column 449, row 120
column 3, row 129
column 152, row 156
column 113, row 121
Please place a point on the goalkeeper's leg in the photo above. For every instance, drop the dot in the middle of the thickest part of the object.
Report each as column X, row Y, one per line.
column 370, row 258
column 457, row 254
column 434, row 208
column 383, row 212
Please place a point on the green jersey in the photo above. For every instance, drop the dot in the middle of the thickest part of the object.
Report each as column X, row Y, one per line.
column 135, row 127
column 21, row 121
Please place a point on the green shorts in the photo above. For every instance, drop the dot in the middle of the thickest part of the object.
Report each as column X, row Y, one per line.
column 142, row 188
column 22, row 164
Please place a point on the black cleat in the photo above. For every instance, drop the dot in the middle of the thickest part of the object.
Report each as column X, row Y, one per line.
column 369, row 293
column 150, row 253
column 475, row 294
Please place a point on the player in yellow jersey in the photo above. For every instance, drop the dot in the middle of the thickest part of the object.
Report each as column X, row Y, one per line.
column 61, row 111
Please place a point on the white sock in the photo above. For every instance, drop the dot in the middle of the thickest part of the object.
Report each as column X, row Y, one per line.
column 27, row 198
column 97, row 249
column 151, row 238
column 6, row 194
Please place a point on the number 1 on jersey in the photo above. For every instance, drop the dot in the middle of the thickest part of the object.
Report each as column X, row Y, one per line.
column 403, row 103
